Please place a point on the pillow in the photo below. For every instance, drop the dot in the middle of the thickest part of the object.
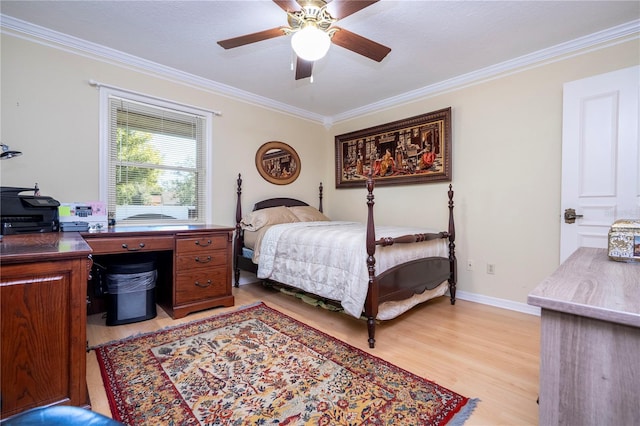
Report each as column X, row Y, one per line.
column 271, row 216
column 308, row 214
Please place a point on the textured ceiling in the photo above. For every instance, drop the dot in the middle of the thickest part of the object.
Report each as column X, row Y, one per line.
column 432, row 42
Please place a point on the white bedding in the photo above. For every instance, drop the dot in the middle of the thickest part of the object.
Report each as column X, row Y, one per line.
column 329, row 258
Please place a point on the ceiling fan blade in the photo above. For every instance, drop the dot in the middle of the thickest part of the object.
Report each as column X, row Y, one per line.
column 287, row 5
column 251, row 38
column 342, row 8
column 303, row 69
column 363, row 46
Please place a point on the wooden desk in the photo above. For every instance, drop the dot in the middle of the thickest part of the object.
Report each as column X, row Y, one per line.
column 43, row 290
column 43, row 321
column 194, row 262
column 590, row 341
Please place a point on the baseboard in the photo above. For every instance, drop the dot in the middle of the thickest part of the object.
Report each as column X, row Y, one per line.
column 248, row 278
column 499, row 303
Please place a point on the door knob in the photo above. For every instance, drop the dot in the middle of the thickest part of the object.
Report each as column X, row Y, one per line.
column 570, row 216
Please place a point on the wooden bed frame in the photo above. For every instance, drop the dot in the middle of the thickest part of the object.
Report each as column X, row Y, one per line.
column 397, row 283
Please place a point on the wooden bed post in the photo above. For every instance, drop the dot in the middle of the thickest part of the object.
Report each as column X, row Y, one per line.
column 453, row 279
column 371, row 303
column 237, row 243
column 320, row 197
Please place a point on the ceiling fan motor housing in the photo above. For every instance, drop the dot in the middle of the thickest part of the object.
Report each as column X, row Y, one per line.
column 312, row 13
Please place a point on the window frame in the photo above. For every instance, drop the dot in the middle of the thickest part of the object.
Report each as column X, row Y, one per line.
column 104, row 146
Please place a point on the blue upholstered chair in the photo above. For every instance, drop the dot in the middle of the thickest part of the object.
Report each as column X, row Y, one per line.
column 59, row 415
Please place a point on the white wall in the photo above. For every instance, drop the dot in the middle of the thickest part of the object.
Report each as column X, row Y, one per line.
column 506, row 153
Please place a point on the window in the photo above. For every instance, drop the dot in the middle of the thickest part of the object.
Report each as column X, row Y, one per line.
column 155, row 161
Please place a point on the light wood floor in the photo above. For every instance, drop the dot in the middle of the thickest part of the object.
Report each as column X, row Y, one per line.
column 475, row 350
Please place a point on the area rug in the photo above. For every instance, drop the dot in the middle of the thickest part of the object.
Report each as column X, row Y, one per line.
column 258, row 366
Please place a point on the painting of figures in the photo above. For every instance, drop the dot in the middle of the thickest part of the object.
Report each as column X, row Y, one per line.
column 413, row 150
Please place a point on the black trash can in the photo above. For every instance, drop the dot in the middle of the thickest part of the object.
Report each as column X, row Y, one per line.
column 131, row 286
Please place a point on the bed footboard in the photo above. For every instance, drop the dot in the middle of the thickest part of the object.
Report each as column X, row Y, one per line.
column 403, row 281
column 410, row 278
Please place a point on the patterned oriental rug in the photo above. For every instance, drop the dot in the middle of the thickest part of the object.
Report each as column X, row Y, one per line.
column 257, row 366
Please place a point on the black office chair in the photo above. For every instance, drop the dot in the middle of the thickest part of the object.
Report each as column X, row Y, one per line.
column 59, row 415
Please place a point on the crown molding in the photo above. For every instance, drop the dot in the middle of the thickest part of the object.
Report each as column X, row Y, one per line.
column 595, row 41
column 44, row 36
column 589, row 43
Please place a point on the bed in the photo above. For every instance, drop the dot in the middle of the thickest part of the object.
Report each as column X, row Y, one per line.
column 287, row 241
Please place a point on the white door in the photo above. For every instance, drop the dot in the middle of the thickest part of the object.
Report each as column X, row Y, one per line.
column 600, row 157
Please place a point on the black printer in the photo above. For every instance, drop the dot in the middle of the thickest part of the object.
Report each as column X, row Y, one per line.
column 25, row 214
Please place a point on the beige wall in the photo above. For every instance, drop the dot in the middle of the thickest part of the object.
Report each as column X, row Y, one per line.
column 51, row 114
column 507, row 136
column 506, row 148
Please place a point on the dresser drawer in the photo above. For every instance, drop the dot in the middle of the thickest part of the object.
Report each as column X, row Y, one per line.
column 198, row 243
column 200, row 285
column 206, row 259
column 129, row 244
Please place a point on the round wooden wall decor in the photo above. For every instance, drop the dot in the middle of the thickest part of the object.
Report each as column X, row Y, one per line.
column 278, row 163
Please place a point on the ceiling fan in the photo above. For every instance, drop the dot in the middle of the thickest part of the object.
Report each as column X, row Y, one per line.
column 311, row 26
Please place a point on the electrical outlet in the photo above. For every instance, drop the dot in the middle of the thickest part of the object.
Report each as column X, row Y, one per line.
column 469, row 265
column 491, row 268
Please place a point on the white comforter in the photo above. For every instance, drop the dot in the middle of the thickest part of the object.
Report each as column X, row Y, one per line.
column 329, row 259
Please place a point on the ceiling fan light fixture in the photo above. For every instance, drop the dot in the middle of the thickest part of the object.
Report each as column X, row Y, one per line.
column 310, row 43
column 6, row 153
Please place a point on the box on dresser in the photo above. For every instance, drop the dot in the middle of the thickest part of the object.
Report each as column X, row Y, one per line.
column 624, row 240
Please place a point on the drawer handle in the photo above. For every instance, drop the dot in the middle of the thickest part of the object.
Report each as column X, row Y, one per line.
column 203, row 261
column 203, row 245
column 207, row 284
column 126, row 247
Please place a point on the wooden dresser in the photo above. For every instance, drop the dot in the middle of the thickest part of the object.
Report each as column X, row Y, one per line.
column 590, row 341
column 43, row 320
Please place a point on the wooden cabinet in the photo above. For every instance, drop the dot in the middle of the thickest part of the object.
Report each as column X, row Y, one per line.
column 202, row 270
column 193, row 261
column 43, row 303
column 590, row 341
column 43, row 321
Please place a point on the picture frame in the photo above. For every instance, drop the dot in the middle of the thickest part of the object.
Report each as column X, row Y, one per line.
column 409, row 151
column 278, row 163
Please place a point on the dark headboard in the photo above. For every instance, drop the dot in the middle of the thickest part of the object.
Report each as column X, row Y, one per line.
column 276, row 202
column 271, row 202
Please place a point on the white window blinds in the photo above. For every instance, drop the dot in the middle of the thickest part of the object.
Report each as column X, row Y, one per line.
column 156, row 164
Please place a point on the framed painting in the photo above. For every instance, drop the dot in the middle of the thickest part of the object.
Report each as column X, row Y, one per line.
column 413, row 150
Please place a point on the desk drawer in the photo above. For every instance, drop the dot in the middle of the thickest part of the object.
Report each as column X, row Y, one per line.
column 206, row 259
column 197, row 244
column 198, row 285
column 129, row 244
